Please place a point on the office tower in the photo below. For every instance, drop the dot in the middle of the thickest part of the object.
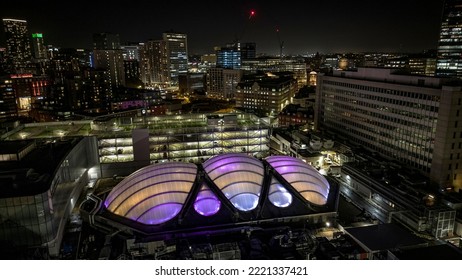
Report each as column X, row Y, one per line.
column 272, row 64
column 248, row 50
column 38, row 45
column 107, row 55
column 17, row 43
column 412, row 119
column 449, row 62
column 228, row 57
column 422, row 66
column 177, row 55
column 8, row 108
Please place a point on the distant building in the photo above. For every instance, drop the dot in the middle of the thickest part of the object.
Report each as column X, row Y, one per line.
column 295, row 115
column 228, row 57
column 8, row 108
column 191, row 82
column 222, row 83
column 162, row 61
column 132, row 51
column 28, row 89
column 272, row 64
column 177, row 55
column 422, row 66
column 106, row 41
column 267, row 94
column 18, row 47
column 38, row 45
column 248, row 50
column 112, row 62
column 449, row 62
column 413, row 119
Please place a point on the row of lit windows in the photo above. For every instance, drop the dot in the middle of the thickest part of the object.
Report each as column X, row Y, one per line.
column 414, row 159
column 394, row 93
column 386, row 116
column 339, row 93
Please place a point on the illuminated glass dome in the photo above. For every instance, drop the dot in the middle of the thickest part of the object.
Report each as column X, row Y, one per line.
column 157, row 193
column 303, row 177
column 239, row 177
column 206, row 203
column 154, row 194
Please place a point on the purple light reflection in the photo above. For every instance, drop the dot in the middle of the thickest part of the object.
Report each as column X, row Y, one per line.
column 206, row 204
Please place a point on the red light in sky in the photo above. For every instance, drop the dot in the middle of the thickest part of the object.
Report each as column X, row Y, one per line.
column 252, row 13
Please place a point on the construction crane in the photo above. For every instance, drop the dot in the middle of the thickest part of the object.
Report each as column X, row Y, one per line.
column 281, row 44
column 239, row 38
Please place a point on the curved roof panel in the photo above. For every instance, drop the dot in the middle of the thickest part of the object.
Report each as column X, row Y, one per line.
column 239, row 177
column 303, row 177
column 154, row 194
column 206, row 203
column 278, row 195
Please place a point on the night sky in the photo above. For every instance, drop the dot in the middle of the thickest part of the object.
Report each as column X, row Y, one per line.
column 305, row 26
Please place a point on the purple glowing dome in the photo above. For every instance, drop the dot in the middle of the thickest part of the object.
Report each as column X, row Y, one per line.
column 154, row 194
column 239, row 177
column 206, row 204
column 303, row 177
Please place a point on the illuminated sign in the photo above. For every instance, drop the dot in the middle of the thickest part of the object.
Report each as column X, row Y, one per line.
column 37, row 35
column 16, row 76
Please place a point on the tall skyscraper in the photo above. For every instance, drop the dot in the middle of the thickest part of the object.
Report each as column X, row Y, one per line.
column 109, row 56
column 40, row 50
column 106, row 41
column 154, row 67
column 449, row 62
column 177, row 55
column 17, row 43
column 413, row 119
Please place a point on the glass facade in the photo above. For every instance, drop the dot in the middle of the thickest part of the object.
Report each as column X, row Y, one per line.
column 399, row 122
column 35, row 220
column 449, row 62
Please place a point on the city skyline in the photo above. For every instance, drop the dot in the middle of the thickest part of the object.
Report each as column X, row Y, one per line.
column 336, row 26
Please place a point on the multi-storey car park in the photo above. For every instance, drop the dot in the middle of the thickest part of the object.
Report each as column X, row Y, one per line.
column 187, row 138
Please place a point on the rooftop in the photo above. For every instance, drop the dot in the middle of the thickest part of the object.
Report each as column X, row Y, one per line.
column 384, row 237
column 32, row 174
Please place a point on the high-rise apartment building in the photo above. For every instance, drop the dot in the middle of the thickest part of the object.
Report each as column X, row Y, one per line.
column 412, row 119
column 449, row 62
column 108, row 55
column 38, row 45
column 8, row 108
column 106, row 41
column 18, row 47
column 162, row 61
column 154, row 67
